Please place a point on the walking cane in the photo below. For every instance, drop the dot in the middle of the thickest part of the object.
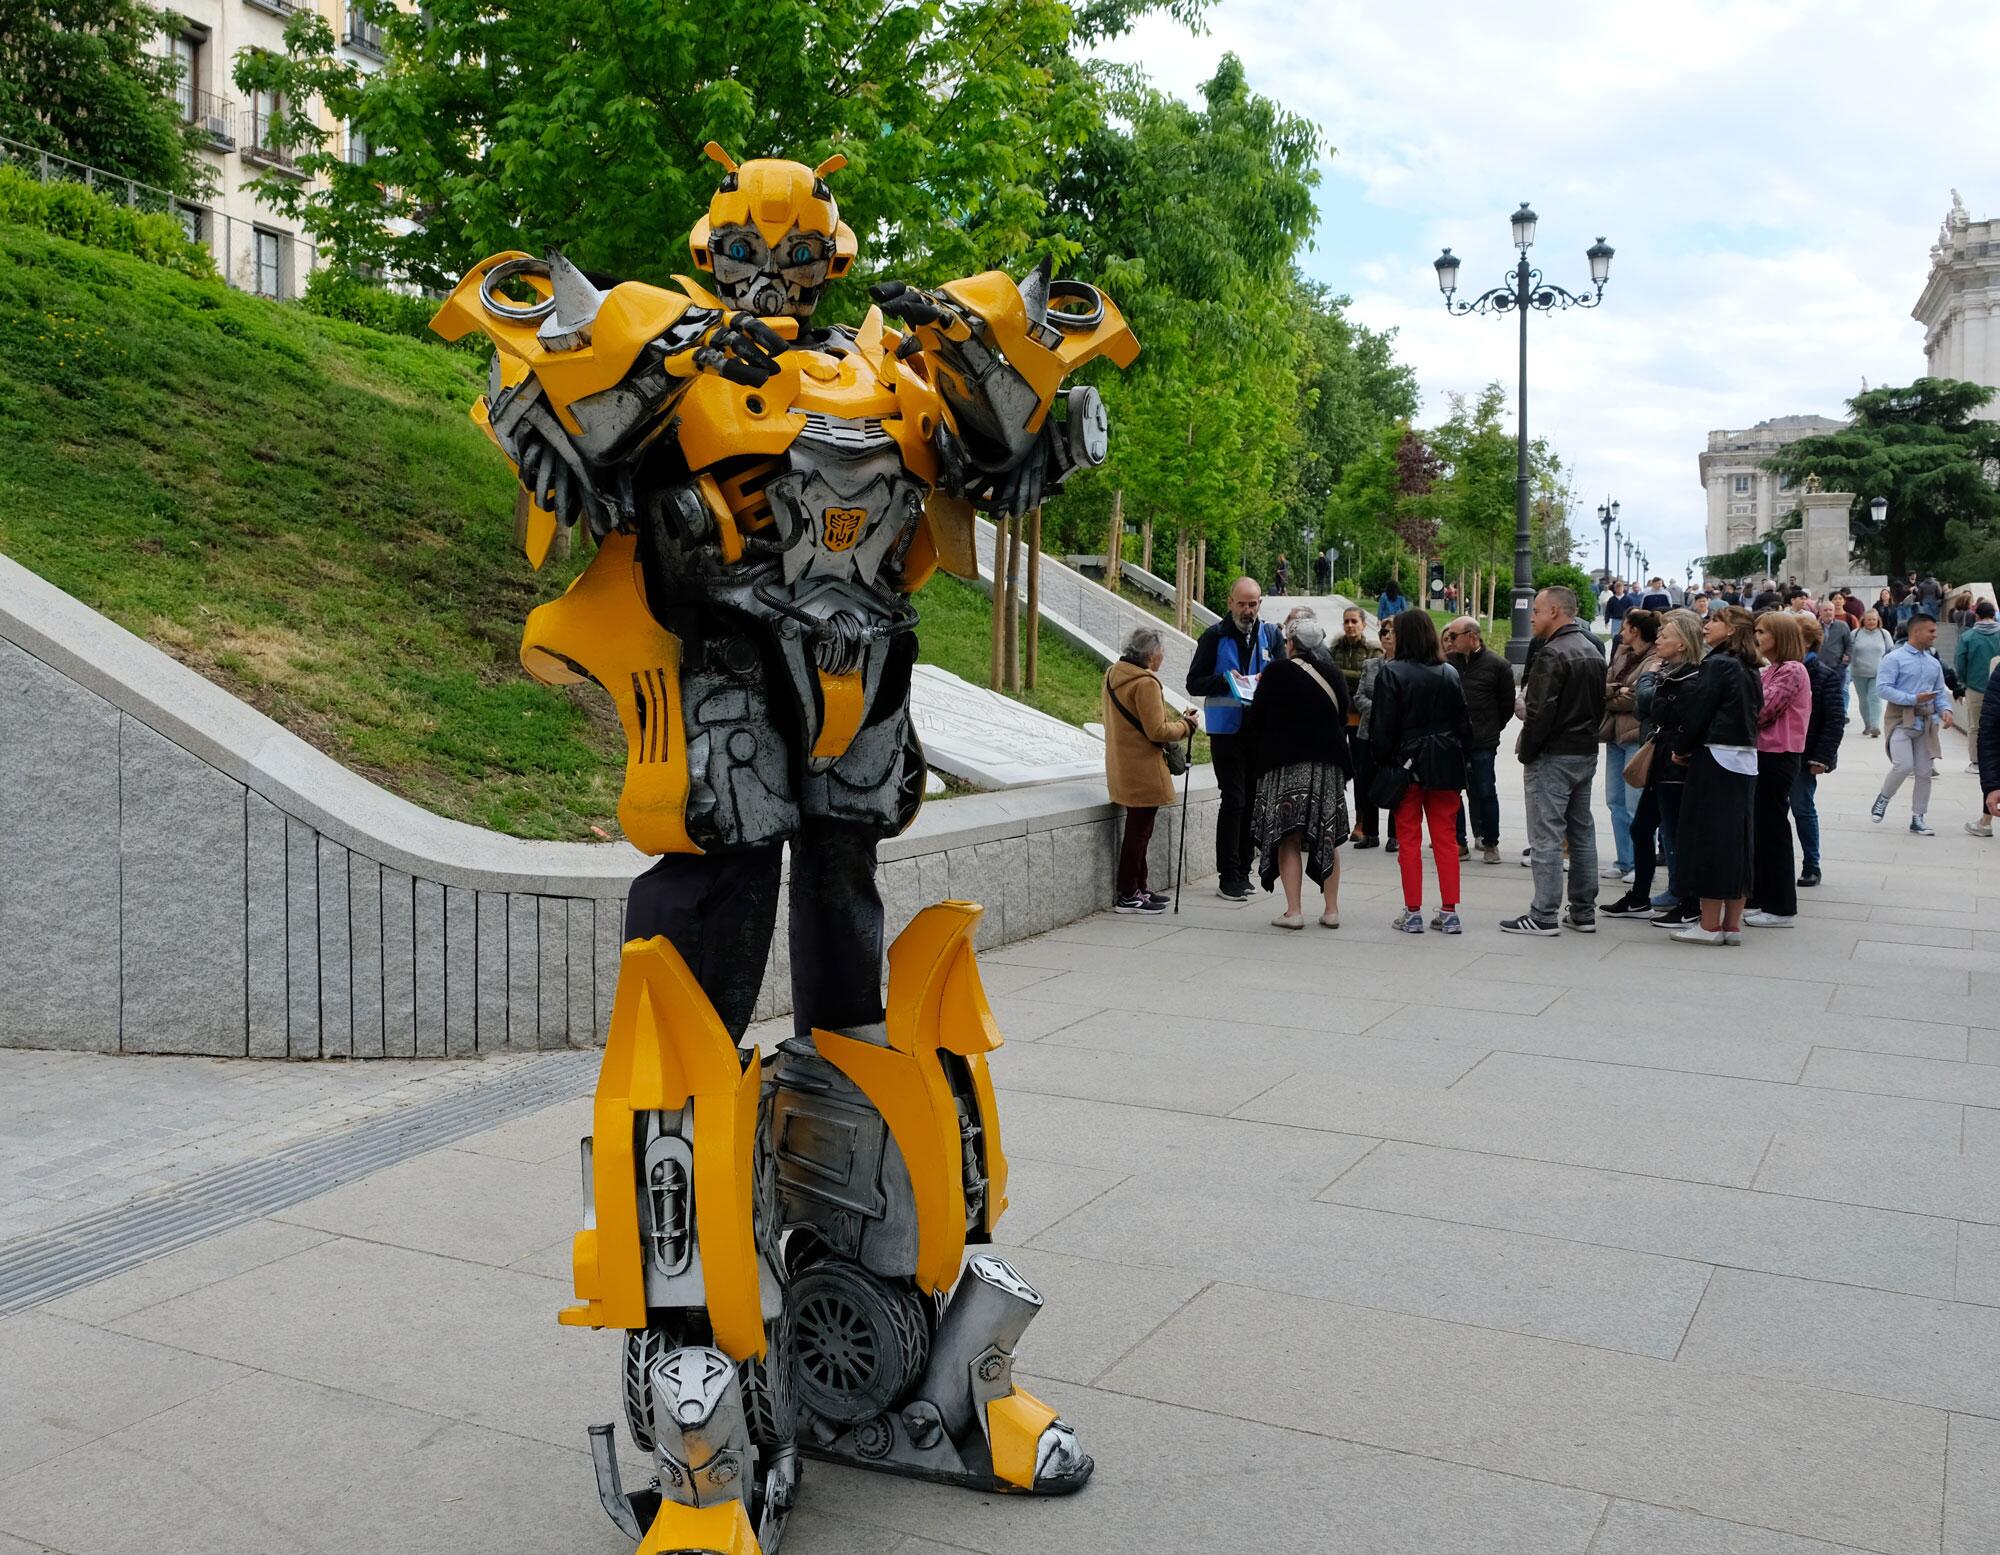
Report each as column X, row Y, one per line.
column 1180, row 861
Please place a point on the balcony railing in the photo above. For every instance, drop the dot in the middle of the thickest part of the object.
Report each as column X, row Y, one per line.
column 278, row 7
column 260, row 142
column 363, row 36
column 214, row 114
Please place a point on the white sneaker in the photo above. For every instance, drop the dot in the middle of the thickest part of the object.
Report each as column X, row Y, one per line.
column 1980, row 828
column 1695, row 934
column 1972, row 766
column 1757, row 918
column 1614, row 872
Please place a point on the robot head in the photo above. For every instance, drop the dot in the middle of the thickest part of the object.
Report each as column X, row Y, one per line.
column 773, row 236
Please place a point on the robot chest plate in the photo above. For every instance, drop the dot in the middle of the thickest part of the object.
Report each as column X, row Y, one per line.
column 846, row 505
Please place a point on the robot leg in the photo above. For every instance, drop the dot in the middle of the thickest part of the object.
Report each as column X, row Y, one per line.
column 678, row 1246
column 889, row 1162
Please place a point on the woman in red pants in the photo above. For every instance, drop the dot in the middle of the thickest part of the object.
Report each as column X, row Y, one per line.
column 1418, row 734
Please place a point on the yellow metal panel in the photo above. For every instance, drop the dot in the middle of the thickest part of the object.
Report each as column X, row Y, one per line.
column 949, row 528
column 601, row 627
column 725, row 1135
column 841, row 706
column 730, row 537
column 993, row 1157
column 1014, row 1427
column 911, row 1093
column 713, row 1530
column 666, row 1046
column 997, row 300
column 721, row 420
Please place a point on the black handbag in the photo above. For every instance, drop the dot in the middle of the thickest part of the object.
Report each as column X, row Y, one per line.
column 1176, row 755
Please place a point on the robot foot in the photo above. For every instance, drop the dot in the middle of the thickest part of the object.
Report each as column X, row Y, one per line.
column 882, row 1388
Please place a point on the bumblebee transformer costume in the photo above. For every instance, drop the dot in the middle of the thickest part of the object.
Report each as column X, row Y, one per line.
column 783, row 1249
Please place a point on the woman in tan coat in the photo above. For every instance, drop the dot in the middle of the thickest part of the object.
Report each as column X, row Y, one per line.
column 1136, row 725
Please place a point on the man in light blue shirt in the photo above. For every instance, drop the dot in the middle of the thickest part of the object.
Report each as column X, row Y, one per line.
column 1917, row 707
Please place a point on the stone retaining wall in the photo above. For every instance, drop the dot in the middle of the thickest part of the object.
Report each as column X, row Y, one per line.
column 180, row 874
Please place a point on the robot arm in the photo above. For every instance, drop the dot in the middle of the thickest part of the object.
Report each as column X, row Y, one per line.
column 998, row 353
column 583, row 380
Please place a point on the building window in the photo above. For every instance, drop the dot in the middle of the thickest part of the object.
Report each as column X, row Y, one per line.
column 190, row 220
column 268, row 256
column 1742, row 483
column 185, row 51
column 357, row 145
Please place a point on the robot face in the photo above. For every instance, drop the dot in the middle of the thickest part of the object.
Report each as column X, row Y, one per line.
column 785, row 280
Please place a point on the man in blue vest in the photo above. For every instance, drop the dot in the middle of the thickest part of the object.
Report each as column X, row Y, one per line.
column 1241, row 645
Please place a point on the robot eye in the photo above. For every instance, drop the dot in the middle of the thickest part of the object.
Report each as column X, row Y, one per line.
column 739, row 250
column 802, row 254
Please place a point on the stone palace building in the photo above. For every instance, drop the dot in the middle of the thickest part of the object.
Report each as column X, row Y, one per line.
column 1745, row 500
column 1960, row 304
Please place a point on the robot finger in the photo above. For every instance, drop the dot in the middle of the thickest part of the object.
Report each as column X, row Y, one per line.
column 558, row 502
column 761, row 334
column 886, row 292
column 751, row 374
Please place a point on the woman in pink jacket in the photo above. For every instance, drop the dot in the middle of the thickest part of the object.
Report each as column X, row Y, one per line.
column 1781, row 742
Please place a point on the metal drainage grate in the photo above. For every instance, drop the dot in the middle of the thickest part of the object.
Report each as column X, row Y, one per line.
column 41, row 1267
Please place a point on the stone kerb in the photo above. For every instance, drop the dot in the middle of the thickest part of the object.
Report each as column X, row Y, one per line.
column 180, row 874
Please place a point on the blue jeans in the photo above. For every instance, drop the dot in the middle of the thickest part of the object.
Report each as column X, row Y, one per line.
column 1805, row 816
column 1482, row 793
column 1870, row 701
column 1668, row 797
column 1623, row 801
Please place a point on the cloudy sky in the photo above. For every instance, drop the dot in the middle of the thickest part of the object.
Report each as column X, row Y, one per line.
column 1771, row 172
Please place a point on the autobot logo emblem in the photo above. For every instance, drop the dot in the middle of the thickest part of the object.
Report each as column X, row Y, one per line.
column 843, row 527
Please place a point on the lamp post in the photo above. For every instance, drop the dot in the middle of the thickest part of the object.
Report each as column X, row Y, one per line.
column 1607, row 514
column 1523, row 290
column 1770, row 549
column 1631, row 550
column 1878, row 509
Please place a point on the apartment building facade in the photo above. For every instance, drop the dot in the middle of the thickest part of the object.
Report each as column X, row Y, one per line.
column 256, row 247
column 1745, row 500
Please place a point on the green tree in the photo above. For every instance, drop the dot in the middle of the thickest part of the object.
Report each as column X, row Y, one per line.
column 1478, row 497
column 1919, row 447
column 581, row 123
column 84, row 79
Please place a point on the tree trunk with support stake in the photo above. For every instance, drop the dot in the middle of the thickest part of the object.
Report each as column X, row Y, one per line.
column 1034, row 622
column 1199, row 581
column 1146, row 545
column 1114, row 549
column 1011, row 665
column 999, row 602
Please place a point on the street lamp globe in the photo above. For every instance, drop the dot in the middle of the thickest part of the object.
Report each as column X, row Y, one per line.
column 1447, row 269
column 1524, row 227
column 1878, row 509
column 1599, row 254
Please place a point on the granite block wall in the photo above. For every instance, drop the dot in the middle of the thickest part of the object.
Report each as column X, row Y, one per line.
column 178, row 875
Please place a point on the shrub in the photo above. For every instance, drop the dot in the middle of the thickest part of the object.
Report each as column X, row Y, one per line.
column 1569, row 576
column 84, row 215
column 336, row 295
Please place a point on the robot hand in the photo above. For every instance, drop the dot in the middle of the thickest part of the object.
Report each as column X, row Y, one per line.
column 555, row 486
column 914, row 306
column 742, row 348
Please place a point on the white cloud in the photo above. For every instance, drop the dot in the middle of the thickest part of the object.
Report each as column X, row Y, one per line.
column 1771, row 172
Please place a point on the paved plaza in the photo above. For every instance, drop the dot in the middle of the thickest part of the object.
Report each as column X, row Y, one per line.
column 1350, row 1241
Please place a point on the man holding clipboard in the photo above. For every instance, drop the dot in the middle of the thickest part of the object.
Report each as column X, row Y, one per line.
column 1227, row 661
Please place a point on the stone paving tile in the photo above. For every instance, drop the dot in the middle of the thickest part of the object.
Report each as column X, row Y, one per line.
column 1974, row 1084
column 220, row 1257
column 1400, row 1263
column 270, row 1463
column 1217, row 1086
column 1979, row 1264
column 544, row 1137
column 1944, row 1354
column 1580, row 1030
column 1710, row 1225
column 1610, row 1090
column 1825, row 1465
column 1145, row 996
column 1040, row 1193
column 68, row 1384
column 1972, row 1488
column 1094, row 1310
column 476, row 1343
column 1980, row 1134
column 1920, row 1182
column 1159, row 1488
column 1632, row 1529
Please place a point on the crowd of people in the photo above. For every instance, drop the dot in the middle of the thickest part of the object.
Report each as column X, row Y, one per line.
column 1712, row 714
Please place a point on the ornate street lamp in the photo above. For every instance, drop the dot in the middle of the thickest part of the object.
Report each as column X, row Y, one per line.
column 1770, row 550
column 1607, row 513
column 1523, row 290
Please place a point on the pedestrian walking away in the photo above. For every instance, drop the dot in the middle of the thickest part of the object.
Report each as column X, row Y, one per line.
column 1619, row 729
column 1562, row 708
column 1367, row 814
column 1718, row 752
column 1136, row 726
column 1782, row 720
column 1822, row 752
column 1973, row 662
column 1488, row 684
column 1297, row 733
column 1418, row 730
column 1917, row 709
column 1227, row 661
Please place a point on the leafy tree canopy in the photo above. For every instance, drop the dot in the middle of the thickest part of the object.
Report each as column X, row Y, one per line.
column 83, row 79
column 580, row 123
column 1920, row 447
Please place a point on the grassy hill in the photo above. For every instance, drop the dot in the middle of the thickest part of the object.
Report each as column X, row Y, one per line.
column 300, row 509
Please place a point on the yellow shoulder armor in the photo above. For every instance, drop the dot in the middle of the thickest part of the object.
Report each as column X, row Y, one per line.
column 1081, row 335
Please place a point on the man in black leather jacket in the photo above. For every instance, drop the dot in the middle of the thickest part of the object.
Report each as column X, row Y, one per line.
column 1564, row 704
column 1488, row 683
